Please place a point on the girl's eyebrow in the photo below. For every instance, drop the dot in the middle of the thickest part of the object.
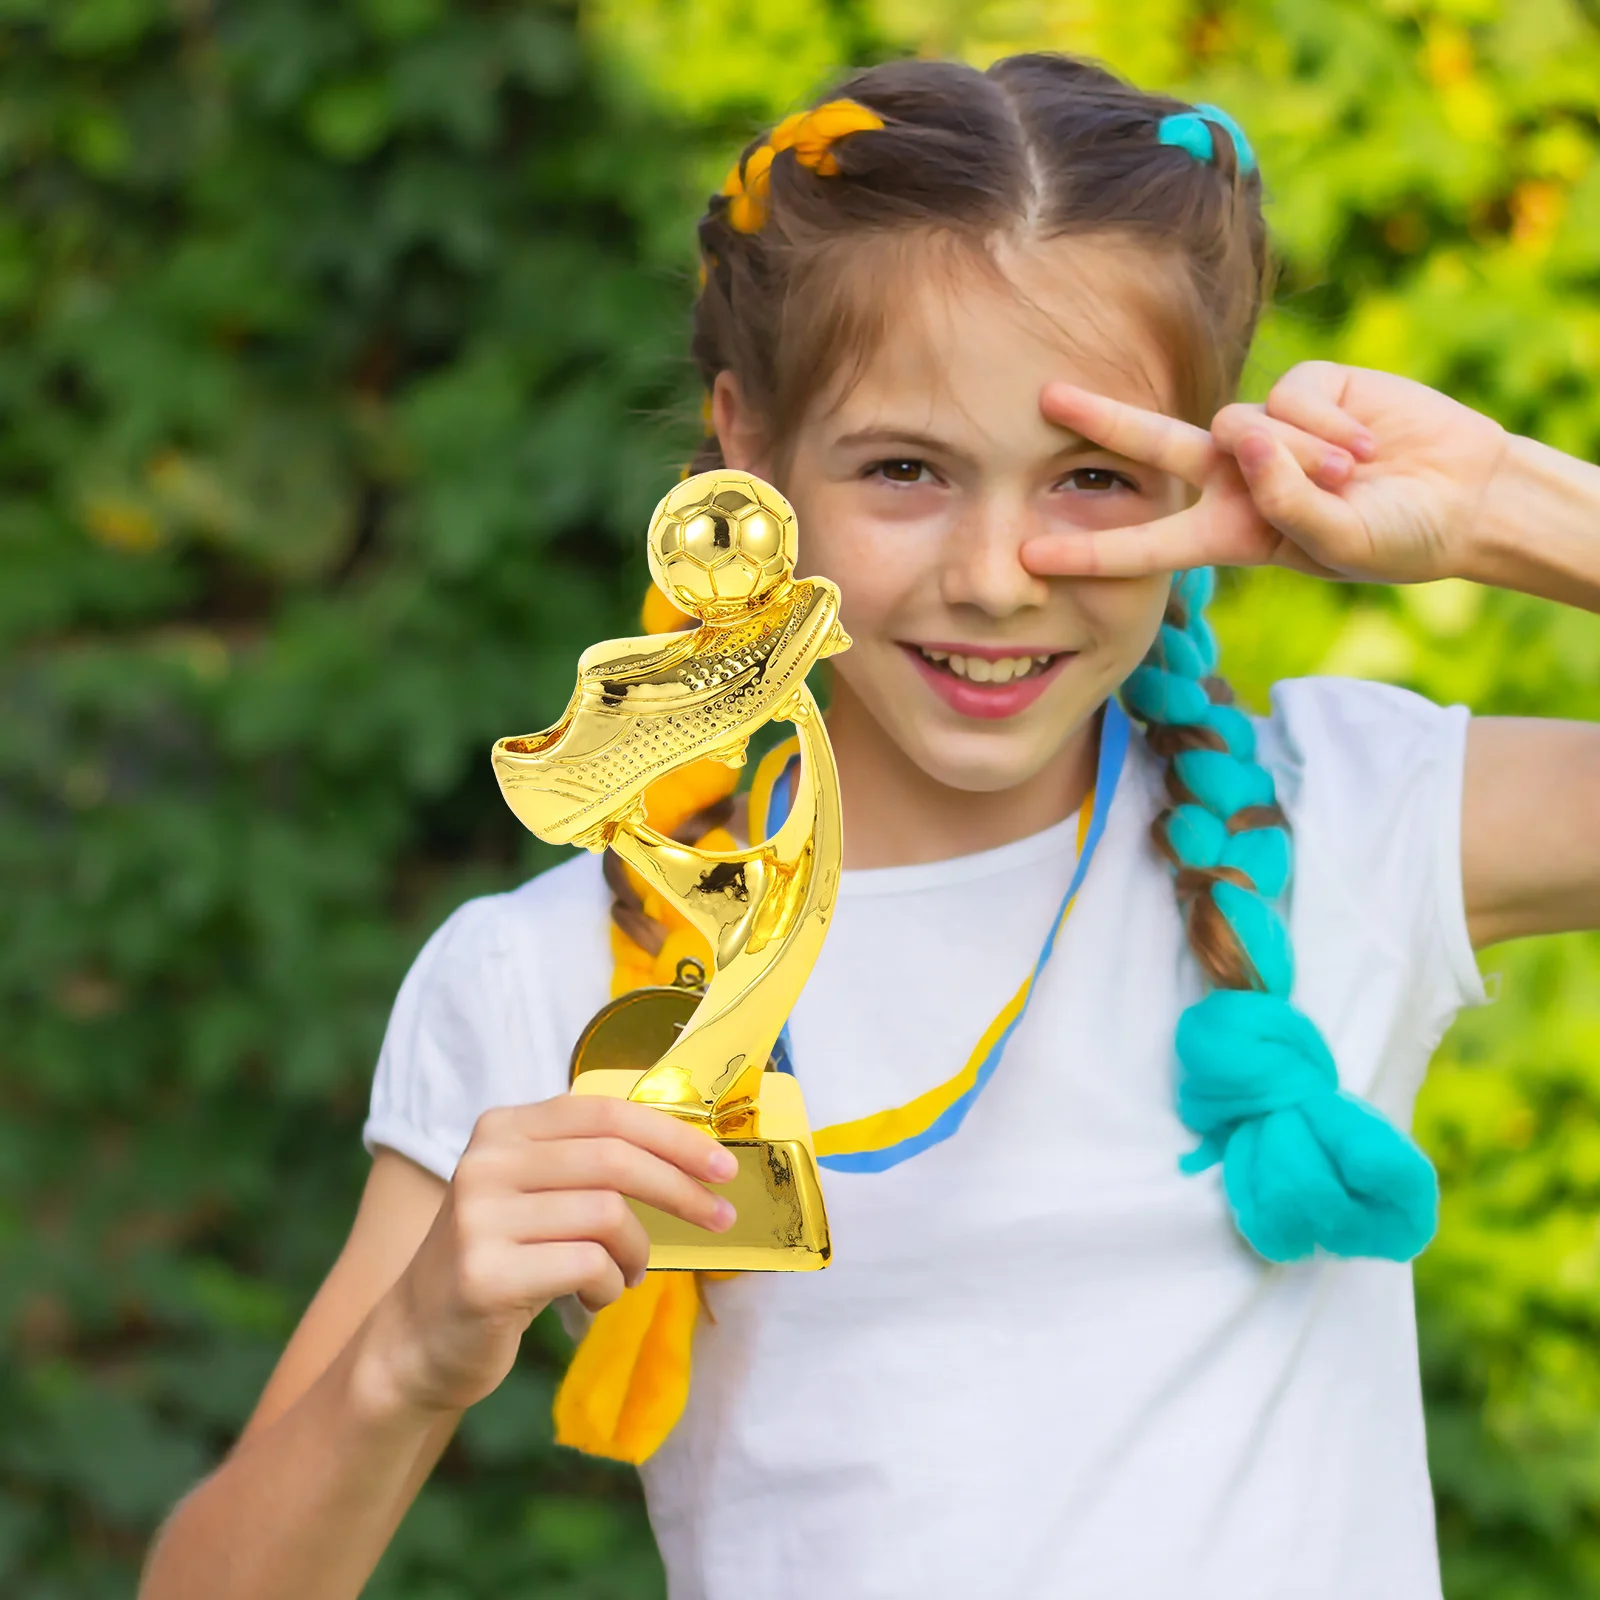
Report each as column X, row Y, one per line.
column 1070, row 442
column 902, row 436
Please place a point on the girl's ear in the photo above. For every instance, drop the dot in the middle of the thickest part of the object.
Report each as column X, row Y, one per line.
column 738, row 428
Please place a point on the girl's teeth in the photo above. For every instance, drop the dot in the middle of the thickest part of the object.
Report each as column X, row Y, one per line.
column 975, row 669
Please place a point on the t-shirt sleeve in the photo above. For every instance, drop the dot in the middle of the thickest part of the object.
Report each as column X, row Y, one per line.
column 1371, row 779
column 445, row 1033
column 488, row 1013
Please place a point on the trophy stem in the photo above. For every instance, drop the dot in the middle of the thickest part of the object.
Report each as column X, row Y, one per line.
column 764, row 911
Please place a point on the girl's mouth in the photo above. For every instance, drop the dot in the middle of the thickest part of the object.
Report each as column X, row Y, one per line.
column 981, row 681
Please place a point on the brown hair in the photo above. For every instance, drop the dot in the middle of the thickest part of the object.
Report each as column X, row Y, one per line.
column 1040, row 146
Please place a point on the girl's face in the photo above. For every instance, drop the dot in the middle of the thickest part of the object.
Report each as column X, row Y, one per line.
column 917, row 483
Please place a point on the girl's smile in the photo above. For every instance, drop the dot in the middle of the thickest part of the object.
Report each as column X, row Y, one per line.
column 987, row 680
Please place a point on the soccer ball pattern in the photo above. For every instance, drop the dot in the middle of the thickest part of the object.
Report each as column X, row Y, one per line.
column 720, row 543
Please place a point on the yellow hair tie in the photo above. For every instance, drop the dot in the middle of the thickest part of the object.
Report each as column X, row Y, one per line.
column 811, row 135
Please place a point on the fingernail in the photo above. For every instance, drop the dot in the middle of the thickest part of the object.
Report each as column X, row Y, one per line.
column 723, row 1164
column 723, row 1219
column 1337, row 465
column 1364, row 446
column 637, row 1278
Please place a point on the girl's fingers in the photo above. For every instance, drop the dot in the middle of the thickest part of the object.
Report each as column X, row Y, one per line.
column 1310, row 396
column 1193, row 538
column 1284, row 518
column 1330, row 466
column 571, row 1266
column 1145, row 436
column 1319, row 523
column 496, row 1276
column 600, row 1215
column 609, row 1163
column 568, row 1116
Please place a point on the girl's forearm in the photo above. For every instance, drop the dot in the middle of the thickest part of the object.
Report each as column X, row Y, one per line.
column 1540, row 531
column 303, row 1509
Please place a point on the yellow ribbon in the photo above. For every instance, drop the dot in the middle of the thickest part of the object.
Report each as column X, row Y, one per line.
column 811, row 135
column 629, row 1379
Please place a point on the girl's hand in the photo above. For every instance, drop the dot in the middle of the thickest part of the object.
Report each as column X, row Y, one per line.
column 1344, row 473
column 536, row 1210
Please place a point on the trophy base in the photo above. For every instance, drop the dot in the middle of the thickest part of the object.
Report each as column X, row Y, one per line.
column 781, row 1224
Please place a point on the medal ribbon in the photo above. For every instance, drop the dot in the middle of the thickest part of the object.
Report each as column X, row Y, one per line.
column 886, row 1138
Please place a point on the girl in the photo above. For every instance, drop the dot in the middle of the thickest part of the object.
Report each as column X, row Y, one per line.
column 1109, row 1315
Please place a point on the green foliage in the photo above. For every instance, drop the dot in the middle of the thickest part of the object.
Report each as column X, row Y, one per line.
column 335, row 353
column 339, row 337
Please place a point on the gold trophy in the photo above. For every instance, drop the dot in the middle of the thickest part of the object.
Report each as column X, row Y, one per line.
column 722, row 548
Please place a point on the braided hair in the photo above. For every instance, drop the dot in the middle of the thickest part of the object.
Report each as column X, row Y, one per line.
column 794, row 285
column 1305, row 1165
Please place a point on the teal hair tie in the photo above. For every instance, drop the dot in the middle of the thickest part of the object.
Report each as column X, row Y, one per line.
column 1191, row 131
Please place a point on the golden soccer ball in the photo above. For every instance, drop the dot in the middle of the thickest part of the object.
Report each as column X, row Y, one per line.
column 721, row 543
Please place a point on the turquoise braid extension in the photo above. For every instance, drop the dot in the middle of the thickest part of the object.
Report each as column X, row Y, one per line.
column 1305, row 1164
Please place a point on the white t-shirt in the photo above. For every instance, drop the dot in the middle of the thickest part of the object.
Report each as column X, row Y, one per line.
column 1042, row 1362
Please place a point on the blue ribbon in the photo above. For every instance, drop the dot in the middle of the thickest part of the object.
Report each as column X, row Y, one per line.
column 1114, row 735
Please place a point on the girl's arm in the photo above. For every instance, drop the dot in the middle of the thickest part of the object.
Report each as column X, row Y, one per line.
column 420, row 1317
column 1540, row 527
column 310, row 1496
column 1346, row 473
column 1530, row 845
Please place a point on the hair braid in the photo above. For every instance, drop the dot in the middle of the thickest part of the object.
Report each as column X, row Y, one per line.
column 1305, row 1164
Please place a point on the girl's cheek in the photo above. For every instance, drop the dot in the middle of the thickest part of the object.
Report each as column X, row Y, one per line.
column 877, row 565
column 1124, row 613
column 832, row 552
column 869, row 603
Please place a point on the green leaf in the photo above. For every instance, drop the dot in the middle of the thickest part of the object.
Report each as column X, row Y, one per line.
column 350, row 120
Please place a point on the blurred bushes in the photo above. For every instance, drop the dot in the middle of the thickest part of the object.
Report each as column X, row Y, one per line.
column 335, row 348
column 341, row 343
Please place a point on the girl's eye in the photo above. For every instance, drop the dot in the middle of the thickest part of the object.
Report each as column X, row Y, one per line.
column 902, row 471
column 1098, row 480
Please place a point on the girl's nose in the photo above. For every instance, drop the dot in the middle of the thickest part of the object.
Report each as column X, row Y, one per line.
column 983, row 560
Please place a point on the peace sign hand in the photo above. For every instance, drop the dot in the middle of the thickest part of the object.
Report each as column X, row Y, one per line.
column 1344, row 473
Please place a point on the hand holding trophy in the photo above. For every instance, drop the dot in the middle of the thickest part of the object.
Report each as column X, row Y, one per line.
column 722, row 548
